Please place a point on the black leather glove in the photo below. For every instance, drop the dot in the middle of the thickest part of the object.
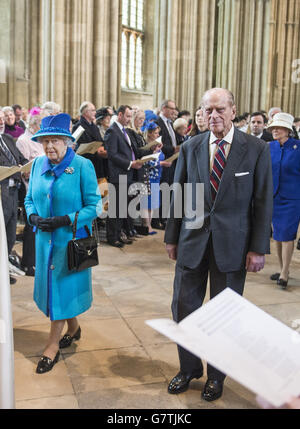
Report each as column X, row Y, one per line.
column 34, row 219
column 49, row 224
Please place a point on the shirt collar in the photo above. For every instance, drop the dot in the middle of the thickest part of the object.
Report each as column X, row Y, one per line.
column 59, row 168
column 120, row 125
column 228, row 138
column 164, row 118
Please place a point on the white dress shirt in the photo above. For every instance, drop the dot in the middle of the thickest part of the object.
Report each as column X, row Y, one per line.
column 168, row 123
column 213, row 147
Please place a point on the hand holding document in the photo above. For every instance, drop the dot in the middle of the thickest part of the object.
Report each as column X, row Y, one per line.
column 241, row 340
column 150, row 145
column 88, row 148
column 6, row 172
column 147, row 158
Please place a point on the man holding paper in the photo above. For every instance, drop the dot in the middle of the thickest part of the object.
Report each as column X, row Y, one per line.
column 231, row 235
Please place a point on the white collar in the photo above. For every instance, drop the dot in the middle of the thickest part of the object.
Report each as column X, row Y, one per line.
column 228, row 138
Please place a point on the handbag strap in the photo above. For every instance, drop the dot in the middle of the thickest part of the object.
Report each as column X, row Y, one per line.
column 75, row 227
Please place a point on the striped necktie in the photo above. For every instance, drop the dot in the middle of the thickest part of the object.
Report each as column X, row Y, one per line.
column 7, row 152
column 218, row 167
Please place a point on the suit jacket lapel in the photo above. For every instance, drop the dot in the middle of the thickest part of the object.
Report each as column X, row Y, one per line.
column 202, row 155
column 237, row 152
column 117, row 128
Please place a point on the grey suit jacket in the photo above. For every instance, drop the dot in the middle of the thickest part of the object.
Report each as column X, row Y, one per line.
column 239, row 220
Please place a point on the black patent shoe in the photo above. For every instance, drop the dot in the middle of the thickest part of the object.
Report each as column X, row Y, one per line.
column 67, row 340
column 275, row 276
column 180, row 383
column 282, row 283
column 213, row 390
column 46, row 364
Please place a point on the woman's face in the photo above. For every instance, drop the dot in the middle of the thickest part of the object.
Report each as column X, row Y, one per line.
column 153, row 135
column 199, row 119
column 139, row 120
column 106, row 122
column 280, row 133
column 55, row 148
column 10, row 118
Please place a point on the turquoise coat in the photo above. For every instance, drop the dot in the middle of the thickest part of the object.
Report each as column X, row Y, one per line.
column 57, row 191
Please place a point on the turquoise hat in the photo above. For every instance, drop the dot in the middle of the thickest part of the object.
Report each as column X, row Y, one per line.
column 57, row 125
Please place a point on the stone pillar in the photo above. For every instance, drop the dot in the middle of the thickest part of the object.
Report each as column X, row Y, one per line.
column 283, row 78
column 184, row 45
column 242, row 52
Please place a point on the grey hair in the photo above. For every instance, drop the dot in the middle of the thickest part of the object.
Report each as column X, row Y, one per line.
column 229, row 94
column 50, row 108
column 7, row 109
column 83, row 106
column 180, row 122
column 67, row 140
column 165, row 103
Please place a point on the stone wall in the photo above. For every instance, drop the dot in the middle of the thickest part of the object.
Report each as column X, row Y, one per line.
column 69, row 51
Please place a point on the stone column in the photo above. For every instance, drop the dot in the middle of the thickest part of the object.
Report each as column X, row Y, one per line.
column 283, row 85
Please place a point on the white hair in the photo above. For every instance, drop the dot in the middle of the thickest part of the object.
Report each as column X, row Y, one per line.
column 7, row 109
column 83, row 106
column 180, row 122
column 50, row 108
column 67, row 140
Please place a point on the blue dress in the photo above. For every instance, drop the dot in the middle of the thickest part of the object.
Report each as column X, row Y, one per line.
column 68, row 187
column 286, row 185
column 155, row 171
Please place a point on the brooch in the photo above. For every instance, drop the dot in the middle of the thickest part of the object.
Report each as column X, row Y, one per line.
column 295, row 147
column 69, row 170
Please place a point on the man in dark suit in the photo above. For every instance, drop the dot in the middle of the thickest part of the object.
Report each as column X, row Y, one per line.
column 91, row 134
column 168, row 138
column 231, row 236
column 122, row 155
column 10, row 156
column 257, row 124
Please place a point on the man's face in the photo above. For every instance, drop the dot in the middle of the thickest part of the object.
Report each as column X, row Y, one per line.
column 218, row 112
column 2, row 122
column 90, row 113
column 10, row 118
column 257, row 125
column 18, row 114
column 125, row 118
column 170, row 111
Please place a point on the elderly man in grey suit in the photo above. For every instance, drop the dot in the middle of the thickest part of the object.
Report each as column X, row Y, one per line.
column 233, row 238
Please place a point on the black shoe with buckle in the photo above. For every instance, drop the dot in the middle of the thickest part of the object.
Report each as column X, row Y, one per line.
column 67, row 339
column 213, row 390
column 46, row 364
column 180, row 383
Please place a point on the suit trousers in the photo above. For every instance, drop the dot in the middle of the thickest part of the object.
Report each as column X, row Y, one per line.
column 115, row 224
column 10, row 213
column 189, row 293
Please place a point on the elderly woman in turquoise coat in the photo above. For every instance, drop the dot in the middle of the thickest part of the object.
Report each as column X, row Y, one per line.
column 61, row 183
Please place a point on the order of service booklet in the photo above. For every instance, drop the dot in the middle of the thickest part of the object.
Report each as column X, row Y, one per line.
column 244, row 342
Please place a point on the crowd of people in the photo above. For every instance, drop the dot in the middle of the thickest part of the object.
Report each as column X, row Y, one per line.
column 260, row 188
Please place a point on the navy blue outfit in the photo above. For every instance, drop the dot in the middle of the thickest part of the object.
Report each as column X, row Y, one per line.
column 286, row 189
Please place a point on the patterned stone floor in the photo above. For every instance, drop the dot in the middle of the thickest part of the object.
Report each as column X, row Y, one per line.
column 120, row 362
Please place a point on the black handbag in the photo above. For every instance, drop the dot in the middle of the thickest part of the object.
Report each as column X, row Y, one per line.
column 82, row 253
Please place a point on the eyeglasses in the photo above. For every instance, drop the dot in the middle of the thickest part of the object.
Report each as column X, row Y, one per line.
column 171, row 108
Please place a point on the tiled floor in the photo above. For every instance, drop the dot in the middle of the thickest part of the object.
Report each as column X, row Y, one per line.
column 120, row 362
